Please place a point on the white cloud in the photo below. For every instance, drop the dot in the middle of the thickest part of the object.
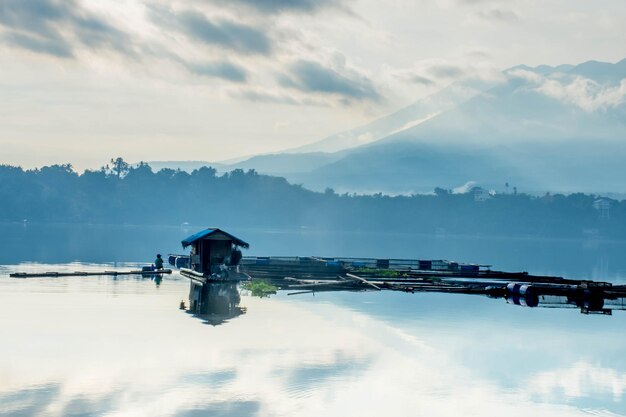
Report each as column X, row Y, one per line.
column 226, row 54
column 582, row 379
column 525, row 75
column 585, row 93
column 366, row 138
column 280, row 125
column 464, row 188
column 414, row 123
column 496, row 14
column 440, row 72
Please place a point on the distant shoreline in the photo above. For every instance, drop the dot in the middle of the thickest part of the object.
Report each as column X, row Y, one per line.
column 311, row 231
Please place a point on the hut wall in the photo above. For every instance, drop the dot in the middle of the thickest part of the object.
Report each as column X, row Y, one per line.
column 220, row 250
column 196, row 262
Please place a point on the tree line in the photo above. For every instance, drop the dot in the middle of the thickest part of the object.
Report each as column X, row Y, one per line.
column 123, row 194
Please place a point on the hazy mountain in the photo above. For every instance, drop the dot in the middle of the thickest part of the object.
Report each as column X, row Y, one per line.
column 283, row 164
column 307, row 158
column 410, row 116
column 182, row 165
column 601, row 72
column 559, row 128
column 533, row 104
column 405, row 167
column 545, row 128
column 292, row 163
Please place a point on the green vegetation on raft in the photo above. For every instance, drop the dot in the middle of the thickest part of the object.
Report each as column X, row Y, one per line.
column 259, row 288
column 383, row 273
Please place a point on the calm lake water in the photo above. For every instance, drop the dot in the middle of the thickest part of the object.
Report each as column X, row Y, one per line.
column 102, row 346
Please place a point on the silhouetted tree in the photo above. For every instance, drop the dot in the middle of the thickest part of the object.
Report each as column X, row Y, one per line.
column 119, row 167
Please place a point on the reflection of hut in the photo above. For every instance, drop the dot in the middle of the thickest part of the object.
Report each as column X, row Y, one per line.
column 215, row 303
column 212, row 248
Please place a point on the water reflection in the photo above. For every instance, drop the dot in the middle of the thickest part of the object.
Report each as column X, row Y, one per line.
column 120, row 347
column 586, row 305
column 215, row 303
column 157, row 278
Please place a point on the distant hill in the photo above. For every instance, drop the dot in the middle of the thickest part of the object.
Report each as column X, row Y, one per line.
column 410, row 116
column 544, row 128
column 285, row 163
column 187, row 166
column 405, row 168
column 268, row 164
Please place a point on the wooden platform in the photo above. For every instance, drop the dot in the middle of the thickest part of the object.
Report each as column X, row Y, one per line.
column 397, row 270
column 53, row 274
column 232, row 276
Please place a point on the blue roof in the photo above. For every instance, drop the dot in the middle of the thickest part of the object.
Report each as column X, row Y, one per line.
column 208, row 232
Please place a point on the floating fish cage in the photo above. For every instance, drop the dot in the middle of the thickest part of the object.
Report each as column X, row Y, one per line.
column 408, row 264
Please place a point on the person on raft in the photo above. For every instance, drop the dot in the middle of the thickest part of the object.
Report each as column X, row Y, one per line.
column 158, row 262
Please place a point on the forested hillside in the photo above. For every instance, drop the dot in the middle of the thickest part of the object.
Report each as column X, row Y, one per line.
column 136, row 195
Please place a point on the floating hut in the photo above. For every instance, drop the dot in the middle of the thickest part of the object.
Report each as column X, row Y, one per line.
column 215, row 254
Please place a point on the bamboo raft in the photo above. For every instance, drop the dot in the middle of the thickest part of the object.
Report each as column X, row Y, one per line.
column 310, row 275
column 396, row 270
column 87, row 274
column 589, row 296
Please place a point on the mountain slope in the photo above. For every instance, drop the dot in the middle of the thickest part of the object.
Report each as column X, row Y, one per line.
column 418, row 112
column 557, row 128
column 552, row 128
column 294, row 162
column 283, row 164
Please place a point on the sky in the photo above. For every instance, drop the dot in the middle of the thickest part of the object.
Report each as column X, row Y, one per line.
column 82, row 81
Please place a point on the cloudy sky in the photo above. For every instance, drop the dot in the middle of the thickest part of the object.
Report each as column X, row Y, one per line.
column 85, row 80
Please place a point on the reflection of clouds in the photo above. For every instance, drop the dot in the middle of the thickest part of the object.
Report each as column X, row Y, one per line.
column 28, row 401
column 131, row 352
column 580, row 380
column 137, row 345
